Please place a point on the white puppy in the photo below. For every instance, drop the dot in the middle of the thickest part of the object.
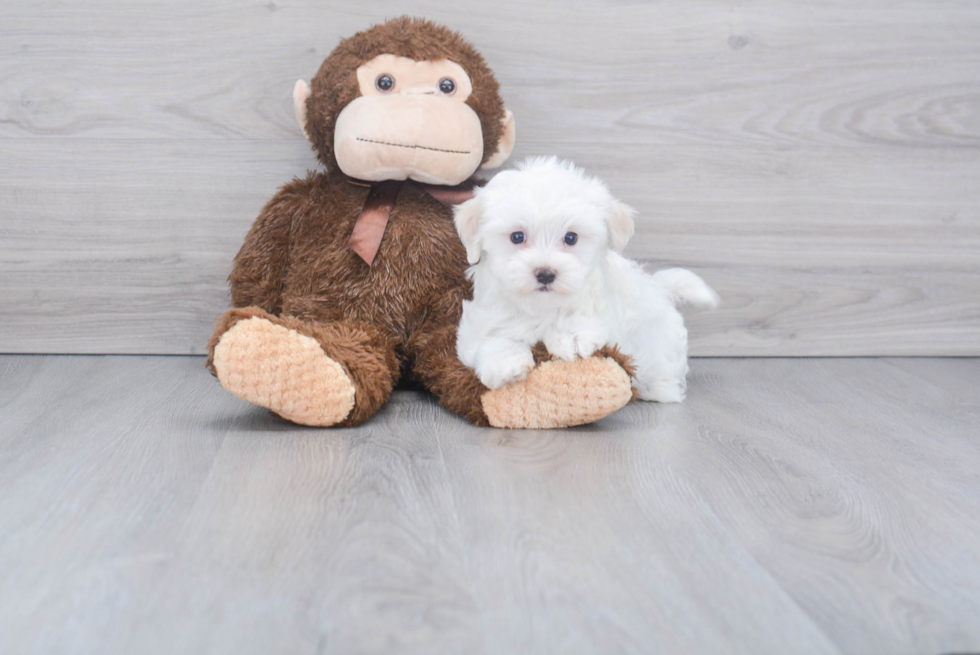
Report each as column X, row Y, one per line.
column 543, row 240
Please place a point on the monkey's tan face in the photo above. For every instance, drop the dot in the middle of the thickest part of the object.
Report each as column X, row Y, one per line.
column 411, row 122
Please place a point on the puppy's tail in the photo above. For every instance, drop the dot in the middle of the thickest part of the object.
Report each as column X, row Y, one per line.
column 686, row 288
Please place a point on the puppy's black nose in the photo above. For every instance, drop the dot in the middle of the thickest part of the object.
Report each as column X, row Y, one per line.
column 545, row 275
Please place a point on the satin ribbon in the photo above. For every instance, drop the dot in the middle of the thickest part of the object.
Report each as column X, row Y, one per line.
column 369, row 229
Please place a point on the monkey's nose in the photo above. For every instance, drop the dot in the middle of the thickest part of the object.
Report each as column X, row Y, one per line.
column 545, row 275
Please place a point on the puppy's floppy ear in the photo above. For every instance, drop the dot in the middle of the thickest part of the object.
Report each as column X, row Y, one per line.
column 620, row 224
column 467, row 216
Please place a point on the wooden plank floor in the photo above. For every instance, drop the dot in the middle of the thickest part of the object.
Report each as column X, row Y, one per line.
column 807, row 505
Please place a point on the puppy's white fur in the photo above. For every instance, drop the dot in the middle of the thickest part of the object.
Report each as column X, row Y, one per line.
column 597, row 296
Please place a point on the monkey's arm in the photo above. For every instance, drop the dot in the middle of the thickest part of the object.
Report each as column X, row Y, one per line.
column 260, row 266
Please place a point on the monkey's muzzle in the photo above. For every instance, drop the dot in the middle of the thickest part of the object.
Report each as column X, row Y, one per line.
column 426, row 138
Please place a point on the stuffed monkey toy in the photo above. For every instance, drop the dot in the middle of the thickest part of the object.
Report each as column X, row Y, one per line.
column 352, row 279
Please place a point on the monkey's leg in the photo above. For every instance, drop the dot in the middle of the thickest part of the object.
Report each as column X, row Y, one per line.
column 320, row 374
column 560, row 394
column 436, row 366
column 556, row 394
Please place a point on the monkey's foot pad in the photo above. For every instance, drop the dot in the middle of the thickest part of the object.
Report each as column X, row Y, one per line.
column 287, row 372
column 560, row 394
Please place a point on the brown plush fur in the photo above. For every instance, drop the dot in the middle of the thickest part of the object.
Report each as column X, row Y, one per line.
column 401, row 313
column 335, row 84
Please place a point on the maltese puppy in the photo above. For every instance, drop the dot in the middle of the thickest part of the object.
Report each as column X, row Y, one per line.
column 544, row 241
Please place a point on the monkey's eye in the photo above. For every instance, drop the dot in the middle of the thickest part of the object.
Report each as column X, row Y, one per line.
column 447, row 86
column 384, row 82
column 517, row 237
column 570, row 238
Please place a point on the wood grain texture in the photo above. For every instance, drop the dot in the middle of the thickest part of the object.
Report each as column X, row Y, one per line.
column 817, row 163
column 790, row 505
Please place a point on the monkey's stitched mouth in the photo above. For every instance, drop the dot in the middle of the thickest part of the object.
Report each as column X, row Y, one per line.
column 401, row 145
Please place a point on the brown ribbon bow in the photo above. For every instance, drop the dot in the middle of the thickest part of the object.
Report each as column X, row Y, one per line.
column 369, row 229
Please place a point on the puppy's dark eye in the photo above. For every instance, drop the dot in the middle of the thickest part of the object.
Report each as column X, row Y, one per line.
column 447, row 86
column 517, row 237
column 384, row 82
column 571, row 238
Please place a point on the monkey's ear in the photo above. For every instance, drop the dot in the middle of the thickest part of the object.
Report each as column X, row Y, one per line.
column 467, row 217
column 620, row 223
column 506, row 143
column 301, row 91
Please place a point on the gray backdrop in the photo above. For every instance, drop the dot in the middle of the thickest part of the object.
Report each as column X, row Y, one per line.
column 818, row 163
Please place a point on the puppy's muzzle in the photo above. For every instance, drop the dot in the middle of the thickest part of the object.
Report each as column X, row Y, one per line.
column 545, row 276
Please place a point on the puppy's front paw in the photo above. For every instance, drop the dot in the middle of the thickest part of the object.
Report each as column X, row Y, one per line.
column 570, row 345
column 505, row 368
column 562, row 346
column 589, row 341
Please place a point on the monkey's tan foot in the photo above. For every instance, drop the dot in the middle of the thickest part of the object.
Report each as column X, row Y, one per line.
column 283, row 370
column 560, row 394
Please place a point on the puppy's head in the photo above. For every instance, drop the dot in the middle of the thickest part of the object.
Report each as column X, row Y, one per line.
column 542, row 229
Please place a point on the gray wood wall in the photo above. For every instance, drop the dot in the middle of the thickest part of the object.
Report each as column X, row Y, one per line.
column 818, row 163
